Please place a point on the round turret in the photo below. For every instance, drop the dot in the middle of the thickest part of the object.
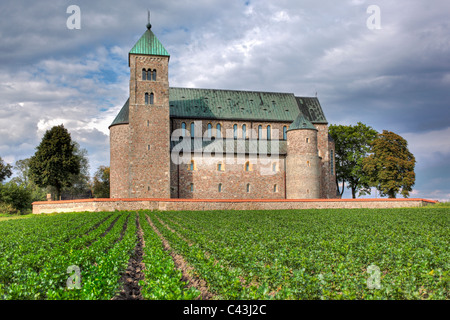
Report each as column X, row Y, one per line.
column 302, row 161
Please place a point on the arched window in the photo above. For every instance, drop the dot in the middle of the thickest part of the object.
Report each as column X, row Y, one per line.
column 144, row 74
column 307, row 140
column 284, row 133
column 275, row 188
column 192, row 187
column 192, row 166
column 259, row 131
column 269, row 134
column 152, row 98
column 209, row 130
column 248, row 187
column 218, row 130
column 244, row 131
column 247, row 166
column 192, row 129
column 235, row 131
column 220, row 187
column 154, row 75
column 149, row 74
column 332, row 162
column 146, row 98
column 183, row 129
column 274, row 167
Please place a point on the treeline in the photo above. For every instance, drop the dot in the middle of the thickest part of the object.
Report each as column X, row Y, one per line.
column 367, row 159
column 59, row 167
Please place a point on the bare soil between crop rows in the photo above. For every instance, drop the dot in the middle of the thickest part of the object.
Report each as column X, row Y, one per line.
column 185, row 269
column 131, row 290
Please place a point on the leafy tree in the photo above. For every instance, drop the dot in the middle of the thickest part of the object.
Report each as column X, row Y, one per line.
column 390, row 168
column 55, row 160
column 5, row 170
column 18, row 196
column 100, row 186
column 79, row 183
column 352, row 145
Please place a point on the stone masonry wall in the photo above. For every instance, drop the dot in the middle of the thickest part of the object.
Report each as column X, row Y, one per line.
column 96, row 205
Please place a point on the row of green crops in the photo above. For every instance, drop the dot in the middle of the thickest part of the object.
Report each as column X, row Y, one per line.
column 307, row 254
column 316, row 254
column 35, row 262
column 83, row 256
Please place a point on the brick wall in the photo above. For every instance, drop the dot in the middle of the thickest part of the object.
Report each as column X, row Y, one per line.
column 94, row 205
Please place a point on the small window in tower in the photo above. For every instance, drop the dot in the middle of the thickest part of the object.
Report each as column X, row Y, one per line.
column 308, row 163
column 149, row 74
column 307, row 140
column 219, row 166
column 152, row 98
column 259, row 131
column 274, row 167
column 148, row 147
column 235, row 131
column 146, row 98
column 244, row 131
column 209, row 130
column 284, row 133
column 269, row 133
column 183, row 129
column 220, row 187
column 144, row 74
column 218, row 130
column 148, row 123
column 248, row 187
column 192, row 187
column 192, row 165
column 275, row 188
column 248, row 166
column 192, row 129
column 154, row 75
column 148, row 188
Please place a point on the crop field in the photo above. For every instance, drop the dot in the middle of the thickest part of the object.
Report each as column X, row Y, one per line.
column 293, row 254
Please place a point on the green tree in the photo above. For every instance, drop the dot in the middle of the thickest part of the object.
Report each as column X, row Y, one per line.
column 79, row 183
column 390, row 168
column 22, row 178
column 352, row 145
column 5, row 170
column 19, row 196
column 100, row 185
column 55, row 161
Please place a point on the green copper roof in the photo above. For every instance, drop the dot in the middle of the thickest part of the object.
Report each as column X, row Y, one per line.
column 311, row 108
column 301, row 123
column 238, row 105
column 149, row 44
column 122, row 117
column 232, row 105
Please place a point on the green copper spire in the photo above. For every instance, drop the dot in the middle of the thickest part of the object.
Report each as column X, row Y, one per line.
column 149, row 44
column 301, row 123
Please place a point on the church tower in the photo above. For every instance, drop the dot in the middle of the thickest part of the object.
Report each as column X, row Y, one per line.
column 148, row 170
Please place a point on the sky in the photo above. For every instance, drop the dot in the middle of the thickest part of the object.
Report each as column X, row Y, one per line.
column 383, row 63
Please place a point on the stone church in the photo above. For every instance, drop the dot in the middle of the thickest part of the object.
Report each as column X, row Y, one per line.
column 189, row 143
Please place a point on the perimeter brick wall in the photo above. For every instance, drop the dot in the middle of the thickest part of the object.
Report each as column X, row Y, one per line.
column 96, row 205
